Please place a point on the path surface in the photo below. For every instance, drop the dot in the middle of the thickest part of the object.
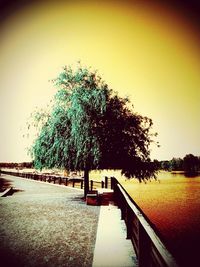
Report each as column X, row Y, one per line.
column 46, row 225
column 112, row 249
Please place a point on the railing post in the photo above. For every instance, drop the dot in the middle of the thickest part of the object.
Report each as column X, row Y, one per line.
column 122, row 207
column 60, row 180
column 91, row 185
column 102, row 184
column 106, row 182
column 73, row 183
column 111, row 182
column 144, row 248
column 66, row 181
column 128, row 223
column 82, row 184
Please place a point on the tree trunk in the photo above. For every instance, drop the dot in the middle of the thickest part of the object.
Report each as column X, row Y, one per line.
column 86, row 182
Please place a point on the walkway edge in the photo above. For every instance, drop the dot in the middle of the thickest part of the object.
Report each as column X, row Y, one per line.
column 112, row 249
column 6, row 192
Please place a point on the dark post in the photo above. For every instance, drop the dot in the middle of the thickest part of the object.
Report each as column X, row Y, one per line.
column 128, row 222
column 60, row 180
column 86, row 182
column 102, row 184
column 66, row 181
column 91, row 185
column 106, row 182
column 82, row 184
column 73, row 183
column 112, row 182
column 144, row 248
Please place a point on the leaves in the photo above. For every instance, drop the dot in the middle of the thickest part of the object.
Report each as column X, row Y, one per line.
column 91, row 127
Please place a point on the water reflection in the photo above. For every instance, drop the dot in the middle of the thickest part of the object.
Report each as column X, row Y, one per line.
column 173, row 205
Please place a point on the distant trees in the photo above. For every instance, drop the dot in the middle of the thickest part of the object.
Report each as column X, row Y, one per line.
column 176, row 164
column 190, row 164
column 13, row 165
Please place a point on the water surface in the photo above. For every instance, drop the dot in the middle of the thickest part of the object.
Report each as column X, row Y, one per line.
column 173, row 205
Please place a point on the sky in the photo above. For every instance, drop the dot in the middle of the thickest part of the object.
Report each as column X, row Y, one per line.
column 147, row 50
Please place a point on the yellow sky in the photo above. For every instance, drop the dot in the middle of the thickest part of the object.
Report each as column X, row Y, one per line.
column 146, row 53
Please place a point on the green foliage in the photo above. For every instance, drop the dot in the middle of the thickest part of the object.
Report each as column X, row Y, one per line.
column 91, row 127
column 190, row 164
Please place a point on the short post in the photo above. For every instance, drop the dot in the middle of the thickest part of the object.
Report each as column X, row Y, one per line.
column 82, row 184
column 91, row 185
column 102, row 184
column 73, row 183
column 66, row 181
column 106, row 182
column 60, row 180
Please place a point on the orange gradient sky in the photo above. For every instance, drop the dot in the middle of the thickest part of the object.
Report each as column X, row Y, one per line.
column 145, row 52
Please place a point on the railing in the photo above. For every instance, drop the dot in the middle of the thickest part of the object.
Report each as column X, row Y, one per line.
column 61, row 180
column 50, row 178
column 100, row 184
column 150, row 250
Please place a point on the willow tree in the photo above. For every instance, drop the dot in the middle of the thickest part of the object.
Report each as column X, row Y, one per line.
column 90, row 127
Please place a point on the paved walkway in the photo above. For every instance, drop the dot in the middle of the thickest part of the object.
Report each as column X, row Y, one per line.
column 46, row 225
column 112, row 249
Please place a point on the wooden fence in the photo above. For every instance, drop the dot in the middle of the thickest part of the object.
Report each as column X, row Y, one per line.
column 77, row 182
column 150, row 250
column 50, row 178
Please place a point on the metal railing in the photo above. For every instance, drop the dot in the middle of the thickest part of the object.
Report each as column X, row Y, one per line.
column 150, row 250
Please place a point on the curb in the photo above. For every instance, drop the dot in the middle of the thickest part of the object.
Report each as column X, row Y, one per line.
column 6, row 192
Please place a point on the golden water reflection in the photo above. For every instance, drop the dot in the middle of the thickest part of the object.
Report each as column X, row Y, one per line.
column 172, row 203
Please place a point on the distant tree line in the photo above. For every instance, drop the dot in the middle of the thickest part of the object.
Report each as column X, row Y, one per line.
column 12, row 165
column 190, row 164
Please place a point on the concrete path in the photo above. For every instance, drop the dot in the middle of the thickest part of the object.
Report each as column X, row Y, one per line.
column 46, row 225
column 112, row 248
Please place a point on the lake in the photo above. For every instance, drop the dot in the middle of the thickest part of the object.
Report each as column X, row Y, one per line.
column 172, row 203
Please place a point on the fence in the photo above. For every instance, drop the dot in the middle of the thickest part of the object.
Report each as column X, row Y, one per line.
column 77, row 182
column 150, row 250
column 103, row 184
column 56, row 179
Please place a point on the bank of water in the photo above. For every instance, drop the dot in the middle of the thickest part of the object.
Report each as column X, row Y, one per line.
column 172, row 203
